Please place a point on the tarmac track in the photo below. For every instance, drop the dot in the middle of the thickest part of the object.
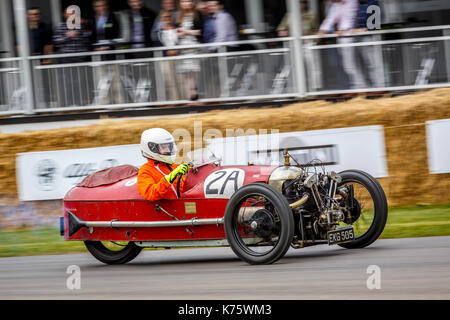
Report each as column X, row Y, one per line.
column 414, row 268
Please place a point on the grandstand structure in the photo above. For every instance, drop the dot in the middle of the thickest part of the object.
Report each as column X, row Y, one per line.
column 411, row 51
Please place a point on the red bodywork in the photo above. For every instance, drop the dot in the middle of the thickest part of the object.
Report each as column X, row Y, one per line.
column 122, row 201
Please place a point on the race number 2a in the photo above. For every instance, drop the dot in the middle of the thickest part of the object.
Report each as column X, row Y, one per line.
column 223, row 183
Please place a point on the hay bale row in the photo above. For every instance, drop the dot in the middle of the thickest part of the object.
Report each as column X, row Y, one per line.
column 403, row 118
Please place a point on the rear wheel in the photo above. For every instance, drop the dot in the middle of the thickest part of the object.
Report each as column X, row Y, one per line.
column 259, row 224
column 113, row 252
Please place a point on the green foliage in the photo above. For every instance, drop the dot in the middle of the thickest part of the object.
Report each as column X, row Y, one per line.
column 36, row 241
column 423, row 221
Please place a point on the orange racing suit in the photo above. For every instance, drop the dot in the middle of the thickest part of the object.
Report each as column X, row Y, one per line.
column 151, row 182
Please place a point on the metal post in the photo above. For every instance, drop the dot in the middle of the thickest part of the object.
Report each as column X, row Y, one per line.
column 56, row 12
column 5, row 21
column 160, row 77
column 223, row 73
column 447, row 53
column 20, row 17
column 295, row 27
column 254, row 13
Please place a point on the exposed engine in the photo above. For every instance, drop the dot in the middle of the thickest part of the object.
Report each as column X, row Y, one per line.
column 318, row 202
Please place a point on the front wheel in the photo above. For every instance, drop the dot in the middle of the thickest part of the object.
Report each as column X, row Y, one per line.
column 113, row 252
column 368, row 210
column 259, row 224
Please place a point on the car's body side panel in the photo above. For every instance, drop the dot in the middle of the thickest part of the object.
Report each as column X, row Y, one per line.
column 205, row 196
column 142, row 210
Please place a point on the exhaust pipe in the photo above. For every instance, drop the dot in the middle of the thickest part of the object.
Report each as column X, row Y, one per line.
column 300, row 202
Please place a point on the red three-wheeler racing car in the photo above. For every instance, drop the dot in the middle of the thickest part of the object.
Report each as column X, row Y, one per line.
column 258, row 210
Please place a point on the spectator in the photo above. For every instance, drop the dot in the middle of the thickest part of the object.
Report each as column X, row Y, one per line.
column 168, row 34
column 310, row 25
column 342, row 14
column 209, row 80
column 224, row 25
column 190, row 29
column 141, row 21
column 168, row 6
column 372, row 56
column 40, row 34
column 209, row 30
column 362, row 15
column 105, row 28
column 71, row 40
column 202, row 7
column 168, row 37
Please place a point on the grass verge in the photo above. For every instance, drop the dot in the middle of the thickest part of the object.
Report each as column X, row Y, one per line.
column 422, row 221
column 404, row 222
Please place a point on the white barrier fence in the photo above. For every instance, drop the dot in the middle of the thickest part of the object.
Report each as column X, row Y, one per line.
column 438, row 145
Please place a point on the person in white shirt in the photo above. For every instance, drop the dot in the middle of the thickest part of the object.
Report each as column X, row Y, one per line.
column 342, row 16
column 168, row 37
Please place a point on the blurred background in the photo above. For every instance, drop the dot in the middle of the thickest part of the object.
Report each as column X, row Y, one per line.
column 67, row 64
column 109, row 60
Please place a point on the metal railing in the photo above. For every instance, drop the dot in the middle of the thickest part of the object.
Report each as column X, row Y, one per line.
column 381, row 60
column 379, row 63
column 143, row 77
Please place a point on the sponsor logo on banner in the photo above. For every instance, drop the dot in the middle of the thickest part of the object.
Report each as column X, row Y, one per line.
column 82, row 170
column 327, row 155
column 45, row 173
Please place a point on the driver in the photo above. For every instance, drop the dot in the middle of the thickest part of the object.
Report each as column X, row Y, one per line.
column 158, row 178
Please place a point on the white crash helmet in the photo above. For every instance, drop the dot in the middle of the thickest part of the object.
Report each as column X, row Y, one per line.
column 151, row 142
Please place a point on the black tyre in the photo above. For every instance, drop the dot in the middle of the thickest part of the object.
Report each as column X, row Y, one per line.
column 259, row 224
column 113, row 254
column 370, row 210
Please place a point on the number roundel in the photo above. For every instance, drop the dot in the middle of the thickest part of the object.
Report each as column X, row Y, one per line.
column 223, row 183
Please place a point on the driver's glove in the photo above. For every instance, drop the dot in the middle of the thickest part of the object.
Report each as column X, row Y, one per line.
column 182, row 168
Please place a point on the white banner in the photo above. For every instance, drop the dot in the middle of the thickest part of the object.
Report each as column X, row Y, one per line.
column 50, row 174
column 438, row 145
column 360, row 148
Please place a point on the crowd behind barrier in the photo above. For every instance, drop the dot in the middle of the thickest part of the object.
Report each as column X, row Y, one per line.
column 190, row 51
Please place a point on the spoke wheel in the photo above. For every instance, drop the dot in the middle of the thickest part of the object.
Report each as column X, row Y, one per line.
column 259, row 224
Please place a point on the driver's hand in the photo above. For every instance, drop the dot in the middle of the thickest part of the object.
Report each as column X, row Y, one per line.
column 182, row 168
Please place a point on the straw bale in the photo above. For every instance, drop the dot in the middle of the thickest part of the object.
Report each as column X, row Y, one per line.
column 403, row 118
